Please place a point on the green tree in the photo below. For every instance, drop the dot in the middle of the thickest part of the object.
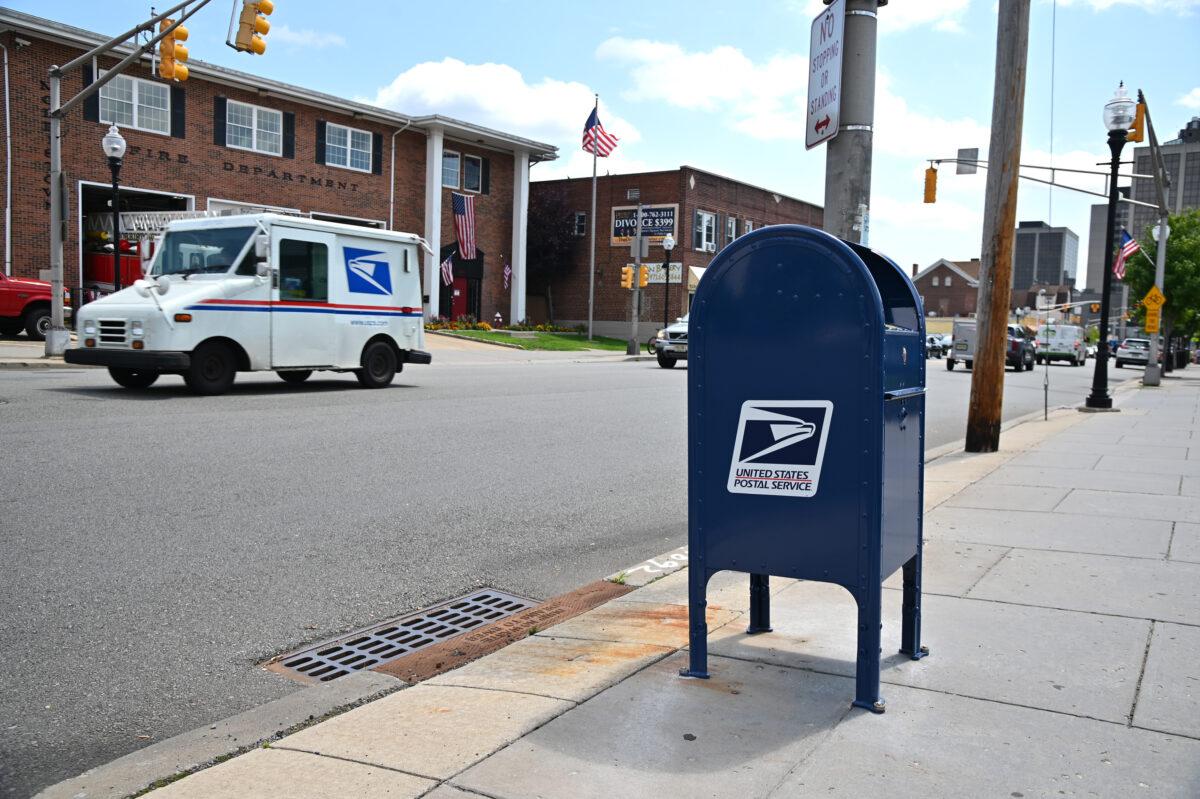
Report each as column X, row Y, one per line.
column 551, row 242
column 1181, row 314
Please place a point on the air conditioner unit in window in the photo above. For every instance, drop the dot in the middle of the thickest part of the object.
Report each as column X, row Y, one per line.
column 711, row 246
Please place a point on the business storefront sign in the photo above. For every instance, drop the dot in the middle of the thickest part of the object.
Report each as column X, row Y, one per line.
column 656, row 273
column 657, row 222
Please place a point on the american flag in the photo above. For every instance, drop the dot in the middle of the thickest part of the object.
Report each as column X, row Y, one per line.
column 1129, row 246
column 464, row 224
column 595, row 138
column 507, row 275
column 448, row 269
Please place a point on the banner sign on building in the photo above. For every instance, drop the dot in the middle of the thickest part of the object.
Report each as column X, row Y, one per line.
column 657, row 222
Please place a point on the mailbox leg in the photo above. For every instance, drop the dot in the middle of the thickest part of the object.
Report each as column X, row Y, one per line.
column 697, row 623
column 870, row 621
column 910, row 630
column 760, row 604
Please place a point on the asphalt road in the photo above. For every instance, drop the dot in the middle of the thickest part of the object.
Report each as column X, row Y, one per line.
column 156, row 545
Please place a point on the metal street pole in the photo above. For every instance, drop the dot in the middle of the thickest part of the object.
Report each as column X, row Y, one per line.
column 1100, row 398
column 114, row 164
column 848, row 154
column 1153, row 373
column 632, row 349
column 57, row 337
column 668, row 246
column 999, row 225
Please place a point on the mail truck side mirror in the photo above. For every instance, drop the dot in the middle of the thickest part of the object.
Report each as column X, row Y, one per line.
column 262, row 247
column 262, row 269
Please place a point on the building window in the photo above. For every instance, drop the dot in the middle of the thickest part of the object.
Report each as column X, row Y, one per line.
column 935, row 280
column 947, row 283
column 704, row 231
column 135, row 103
column 749, row 226
column 248, row 127
column 730, row 229
column 303, row 270
column 450, row 169
column 581, row 223
column 472, row 175
column 347, row 147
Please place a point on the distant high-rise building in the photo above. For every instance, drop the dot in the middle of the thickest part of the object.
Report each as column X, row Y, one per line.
column 1181, row 157
column 1099, row 219
column 1044, row 255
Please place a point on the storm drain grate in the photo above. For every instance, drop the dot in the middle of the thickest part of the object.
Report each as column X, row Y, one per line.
column 397, row 637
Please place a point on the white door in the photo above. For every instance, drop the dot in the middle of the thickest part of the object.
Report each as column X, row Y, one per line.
column 303, row 324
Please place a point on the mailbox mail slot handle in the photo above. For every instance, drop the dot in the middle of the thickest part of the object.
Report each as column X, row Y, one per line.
column 904, row 393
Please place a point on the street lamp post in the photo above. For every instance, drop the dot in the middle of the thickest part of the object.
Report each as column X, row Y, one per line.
column 114, row 148
column 668, row 245
column 1118, row 116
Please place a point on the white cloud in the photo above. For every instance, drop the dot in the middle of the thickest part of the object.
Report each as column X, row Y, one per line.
column 1154, row 6
column 1190, row 99
column 305, row 37
column 943, row 15
column 498, row 96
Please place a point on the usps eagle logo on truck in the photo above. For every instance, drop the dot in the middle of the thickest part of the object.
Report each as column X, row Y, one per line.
column 780, row 447
column 367, row 272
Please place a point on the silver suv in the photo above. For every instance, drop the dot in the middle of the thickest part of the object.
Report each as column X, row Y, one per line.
column 671, row 343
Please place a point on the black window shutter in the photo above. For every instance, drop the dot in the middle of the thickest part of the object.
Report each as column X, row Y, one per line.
column 289, row 134
column 91, row 106
column 485, row 176
column 219, row 121
column 697, row 231
column 178, row 112
column 320, row 141
column 376, row 153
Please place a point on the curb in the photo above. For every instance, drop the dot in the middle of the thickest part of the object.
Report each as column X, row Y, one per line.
column 167, row 761
column 447, row 334
column 47, row 363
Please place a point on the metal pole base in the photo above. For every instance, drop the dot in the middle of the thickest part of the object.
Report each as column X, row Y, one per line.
column 1152, row 376
column 631, row 348
column 877, row 707
column 57, row 341
column 1095, row 402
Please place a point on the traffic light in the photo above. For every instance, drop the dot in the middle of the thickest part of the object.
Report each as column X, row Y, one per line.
column 643, row 277
column 172, row 52
column 931, row 185
column 627, row 277
column 253, row 26
column 1138, row 131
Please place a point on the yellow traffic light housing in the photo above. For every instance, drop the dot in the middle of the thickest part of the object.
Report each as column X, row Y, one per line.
column 643, row 277
column 172, row 52
column 627, row 277
column 253, row 26
column 931, row 185
column 1138, row 131
column 1095, row 307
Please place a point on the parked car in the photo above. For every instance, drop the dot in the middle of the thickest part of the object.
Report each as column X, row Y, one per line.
column 671, row 343
column 1133, row 351
column 937, row 346
column 1091, row 350
column 25, row 305
column 1018, row 352
column 1060, row 343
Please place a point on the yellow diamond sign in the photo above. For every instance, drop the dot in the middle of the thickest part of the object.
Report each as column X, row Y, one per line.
column 1154, row 298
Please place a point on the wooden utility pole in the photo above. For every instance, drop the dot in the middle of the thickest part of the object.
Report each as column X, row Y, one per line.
column 999, row 223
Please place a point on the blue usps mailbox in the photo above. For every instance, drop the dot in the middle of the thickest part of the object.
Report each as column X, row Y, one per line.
column 806, row 428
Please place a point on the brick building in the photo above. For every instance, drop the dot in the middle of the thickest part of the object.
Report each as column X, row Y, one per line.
column 948, row 288
column 226, row 141
column 703, row 212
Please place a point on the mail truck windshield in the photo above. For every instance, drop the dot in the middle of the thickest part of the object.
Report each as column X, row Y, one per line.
column 210, row 250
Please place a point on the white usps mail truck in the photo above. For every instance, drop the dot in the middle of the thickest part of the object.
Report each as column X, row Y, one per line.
column 258, row 292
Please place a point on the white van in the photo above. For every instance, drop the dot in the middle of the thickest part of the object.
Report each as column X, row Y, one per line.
column 1061, row 343
column 261, row 292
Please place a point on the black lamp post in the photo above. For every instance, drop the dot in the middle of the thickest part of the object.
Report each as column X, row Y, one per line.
column 668, row 245
column 1118, row 116
column 114, row 148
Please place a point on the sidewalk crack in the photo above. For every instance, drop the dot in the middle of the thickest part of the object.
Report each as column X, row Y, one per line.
column 358, row 762
column 1137, row 692
column 987, row 571
column 1171, row 540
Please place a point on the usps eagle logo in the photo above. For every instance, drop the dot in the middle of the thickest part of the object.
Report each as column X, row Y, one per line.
column 368, row 272
column 780, row 447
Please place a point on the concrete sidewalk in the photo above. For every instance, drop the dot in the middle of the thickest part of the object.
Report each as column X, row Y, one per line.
column 1062, row 608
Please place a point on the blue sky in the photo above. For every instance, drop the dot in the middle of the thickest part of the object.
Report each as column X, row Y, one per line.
column 722, row 86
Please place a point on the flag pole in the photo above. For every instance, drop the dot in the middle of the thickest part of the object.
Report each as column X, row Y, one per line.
column 592, row 258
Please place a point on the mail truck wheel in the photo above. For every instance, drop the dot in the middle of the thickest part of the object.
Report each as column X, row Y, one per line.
column 212, row 369
column 37, row 323
column 378, row 365
column 666, row 361
column 133, row 378
column 295, row 377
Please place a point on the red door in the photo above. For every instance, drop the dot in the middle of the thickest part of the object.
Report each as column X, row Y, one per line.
column 458, row 298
